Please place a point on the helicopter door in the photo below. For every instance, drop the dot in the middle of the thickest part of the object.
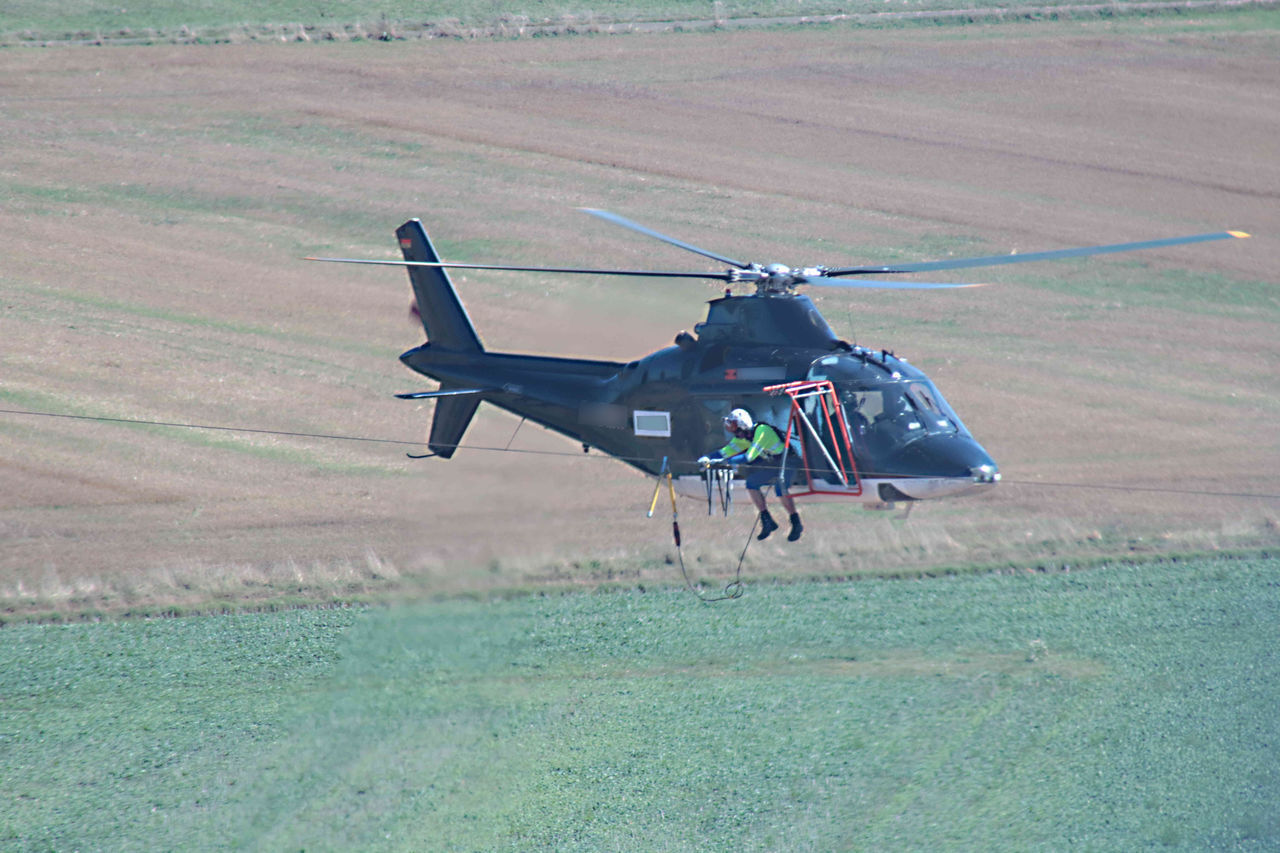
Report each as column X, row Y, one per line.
column 818, row 421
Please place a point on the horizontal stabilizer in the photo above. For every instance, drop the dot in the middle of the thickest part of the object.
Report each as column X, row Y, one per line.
column 451, row 392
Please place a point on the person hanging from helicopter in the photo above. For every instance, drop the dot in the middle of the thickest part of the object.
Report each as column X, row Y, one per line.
column 758, row 447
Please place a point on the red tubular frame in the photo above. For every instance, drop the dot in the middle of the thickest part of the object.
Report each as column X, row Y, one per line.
column 826, row 394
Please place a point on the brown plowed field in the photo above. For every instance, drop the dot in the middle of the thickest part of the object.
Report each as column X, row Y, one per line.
column 157, row 201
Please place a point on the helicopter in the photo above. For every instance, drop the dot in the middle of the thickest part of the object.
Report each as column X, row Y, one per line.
column 865, row 425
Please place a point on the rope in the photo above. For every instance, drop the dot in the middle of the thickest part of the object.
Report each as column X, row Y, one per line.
column 630, row 459
column 733, row 589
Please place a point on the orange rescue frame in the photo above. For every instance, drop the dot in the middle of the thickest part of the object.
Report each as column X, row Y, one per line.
column 840, row 456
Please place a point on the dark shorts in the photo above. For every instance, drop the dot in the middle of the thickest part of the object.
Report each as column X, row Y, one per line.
column 763, row 472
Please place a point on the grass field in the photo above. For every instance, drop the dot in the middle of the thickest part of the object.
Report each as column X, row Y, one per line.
column 153, row 22
column 523, row 671
column 1123, row 708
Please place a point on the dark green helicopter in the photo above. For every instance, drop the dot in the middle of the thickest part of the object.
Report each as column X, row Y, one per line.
column 865, row 424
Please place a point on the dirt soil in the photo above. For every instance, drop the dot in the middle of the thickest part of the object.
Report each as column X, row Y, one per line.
column 157, row 202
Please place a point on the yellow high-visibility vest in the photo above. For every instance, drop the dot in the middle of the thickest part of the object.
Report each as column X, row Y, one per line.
column 764, row 441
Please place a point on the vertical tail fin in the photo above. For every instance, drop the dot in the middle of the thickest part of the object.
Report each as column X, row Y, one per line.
column 447, row 326
column 453, row 414
column 443, row 317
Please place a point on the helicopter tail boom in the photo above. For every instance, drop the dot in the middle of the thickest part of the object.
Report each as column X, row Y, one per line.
column 443, row 317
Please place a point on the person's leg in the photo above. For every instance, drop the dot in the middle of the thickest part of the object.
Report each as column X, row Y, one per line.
column 789, row 504
column 767, row 524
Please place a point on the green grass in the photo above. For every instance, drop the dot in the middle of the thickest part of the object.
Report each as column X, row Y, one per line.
column 35, row 21
column 1123, row 708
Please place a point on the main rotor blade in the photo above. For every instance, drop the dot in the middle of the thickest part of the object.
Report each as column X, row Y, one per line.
column 635, row 226
column 718, row 276
column 996, row 260
column 823, row 281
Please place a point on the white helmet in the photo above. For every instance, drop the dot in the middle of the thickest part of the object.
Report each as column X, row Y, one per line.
column 740, row 418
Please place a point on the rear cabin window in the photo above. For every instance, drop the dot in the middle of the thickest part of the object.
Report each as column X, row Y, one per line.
column 652, row 424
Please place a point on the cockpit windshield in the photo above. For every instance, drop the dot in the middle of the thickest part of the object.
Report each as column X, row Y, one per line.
column 887, row 403
column 909, row 406
column 894, row 414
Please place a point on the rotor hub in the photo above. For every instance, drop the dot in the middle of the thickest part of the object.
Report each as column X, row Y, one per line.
column 774, row 279
column 777, row 279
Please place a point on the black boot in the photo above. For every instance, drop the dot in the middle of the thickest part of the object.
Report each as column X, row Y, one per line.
column 796, row 527
column 767, row 524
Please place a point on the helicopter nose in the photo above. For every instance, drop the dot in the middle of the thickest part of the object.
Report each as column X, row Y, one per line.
column 985, row 474
column 951, row 456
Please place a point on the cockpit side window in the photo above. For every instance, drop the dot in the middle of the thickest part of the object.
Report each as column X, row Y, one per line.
column 868, row 404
